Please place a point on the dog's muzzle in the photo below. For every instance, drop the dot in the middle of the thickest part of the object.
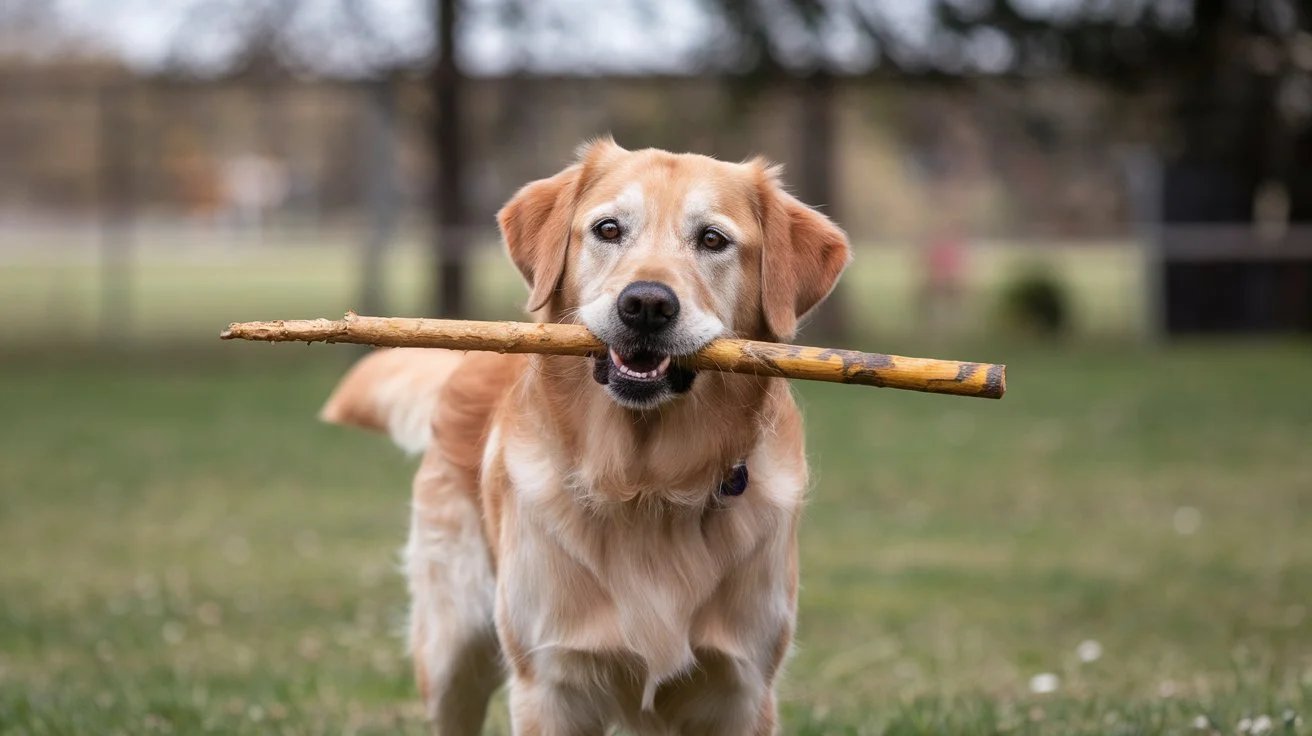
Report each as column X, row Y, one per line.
column 638, row 367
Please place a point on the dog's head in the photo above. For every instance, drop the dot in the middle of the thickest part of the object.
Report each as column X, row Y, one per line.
column 658, row 254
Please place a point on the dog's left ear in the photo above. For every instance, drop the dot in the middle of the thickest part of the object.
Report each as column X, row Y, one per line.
column 803, row 255
column 536, row 222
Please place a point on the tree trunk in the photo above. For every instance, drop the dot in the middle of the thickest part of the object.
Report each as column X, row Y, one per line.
column 450, row 237
column 816, row 184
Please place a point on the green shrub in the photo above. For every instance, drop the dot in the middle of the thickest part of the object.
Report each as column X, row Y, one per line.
column 1035, row 302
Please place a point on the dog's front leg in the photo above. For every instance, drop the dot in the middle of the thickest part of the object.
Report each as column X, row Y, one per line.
column 744, row 718
column 544, row 709
column 764, row 721
column 456, row 654
column 712, row 709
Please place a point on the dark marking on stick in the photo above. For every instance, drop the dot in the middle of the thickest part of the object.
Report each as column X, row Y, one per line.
column 965, row 372
column 860, row 365
column 993, row 382
column 770, row 356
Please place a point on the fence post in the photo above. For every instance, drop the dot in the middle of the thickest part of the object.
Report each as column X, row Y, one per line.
column 115, row 139
column 1143, row 175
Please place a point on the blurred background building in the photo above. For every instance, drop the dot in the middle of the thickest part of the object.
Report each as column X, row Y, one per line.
column 1116, row 169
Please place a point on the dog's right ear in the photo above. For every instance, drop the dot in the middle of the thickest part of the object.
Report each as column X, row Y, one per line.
column 536, row 222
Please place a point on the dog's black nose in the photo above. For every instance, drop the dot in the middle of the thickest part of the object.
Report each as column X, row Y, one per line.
column 647, row 306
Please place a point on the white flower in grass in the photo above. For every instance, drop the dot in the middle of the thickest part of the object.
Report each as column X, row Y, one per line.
column 1245, row 725
column 1089, row 651
column 1187, row 520
column 1044, row 683
column 1201, row 723
column 173, row 632
column 1261, row 725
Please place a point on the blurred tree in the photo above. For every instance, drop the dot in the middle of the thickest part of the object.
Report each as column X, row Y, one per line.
column 26, row 25
column 785, row 44
column 808, row 45
column 1234, row 76
column 335, row 38
column 263, row 39
column 449, row 184
column 1236, row 80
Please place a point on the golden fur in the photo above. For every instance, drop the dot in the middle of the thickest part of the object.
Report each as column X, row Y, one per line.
column 580, row 547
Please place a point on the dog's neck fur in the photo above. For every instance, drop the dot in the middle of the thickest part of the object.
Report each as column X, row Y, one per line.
column 636, row 508
column 674, row 455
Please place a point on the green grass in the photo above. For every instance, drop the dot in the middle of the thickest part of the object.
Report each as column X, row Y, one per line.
column 186, row 550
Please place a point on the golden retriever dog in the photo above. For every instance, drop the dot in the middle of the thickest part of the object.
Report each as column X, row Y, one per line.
column 616, row 536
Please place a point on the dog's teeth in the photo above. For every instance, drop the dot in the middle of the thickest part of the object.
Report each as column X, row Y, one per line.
column 640, row 375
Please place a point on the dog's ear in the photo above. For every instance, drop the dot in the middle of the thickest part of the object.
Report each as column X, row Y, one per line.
column 536, row 222
column 803, row 254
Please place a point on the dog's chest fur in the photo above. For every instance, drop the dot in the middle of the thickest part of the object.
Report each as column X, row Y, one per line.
column 640, row 591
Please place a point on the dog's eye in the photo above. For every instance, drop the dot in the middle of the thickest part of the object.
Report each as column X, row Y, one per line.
column 608, row 230
column 713, row 239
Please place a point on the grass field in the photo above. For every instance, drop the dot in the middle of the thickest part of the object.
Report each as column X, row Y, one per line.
column 185, row 550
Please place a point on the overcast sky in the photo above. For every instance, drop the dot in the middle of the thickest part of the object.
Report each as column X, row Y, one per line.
column 586, row 35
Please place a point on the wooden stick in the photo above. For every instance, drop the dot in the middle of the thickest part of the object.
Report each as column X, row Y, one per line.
column 984, row 380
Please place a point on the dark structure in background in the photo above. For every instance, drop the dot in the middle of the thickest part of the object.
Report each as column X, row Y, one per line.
column 1228, row 279
column 1242, row 105
column 1238, row 295
column 1234, row 80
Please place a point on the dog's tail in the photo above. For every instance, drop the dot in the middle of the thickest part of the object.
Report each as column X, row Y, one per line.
column 395, row 392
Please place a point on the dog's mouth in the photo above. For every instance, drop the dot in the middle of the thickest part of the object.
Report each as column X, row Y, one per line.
column 641, row 366
column 641, row 379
